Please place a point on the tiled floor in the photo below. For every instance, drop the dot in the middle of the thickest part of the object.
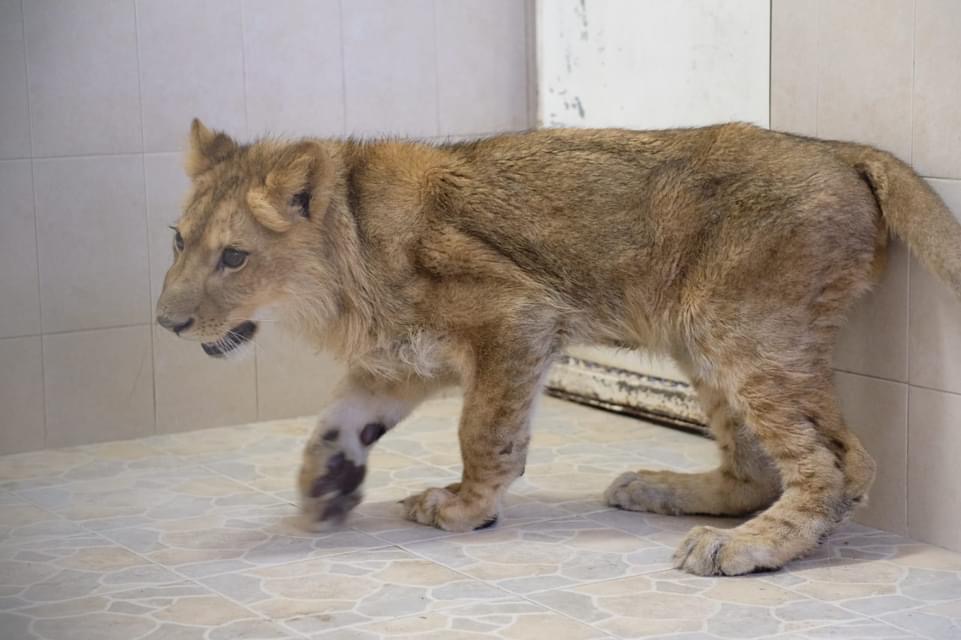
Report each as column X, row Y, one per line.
column 193, row 536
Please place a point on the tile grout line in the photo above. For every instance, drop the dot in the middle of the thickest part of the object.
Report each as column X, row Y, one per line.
column 899, row 382
column 146, row 216
column 26, row 74
column 908, row 306
column 818, row 10
column 43, row 345
column 243, row 66
column 435, row 60
column 36, row 221
column 343, row 68
column 770, row 65
column 530, row 64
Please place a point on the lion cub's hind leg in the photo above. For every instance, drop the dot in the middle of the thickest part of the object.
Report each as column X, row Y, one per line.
column 746, row 480
column 825, row 473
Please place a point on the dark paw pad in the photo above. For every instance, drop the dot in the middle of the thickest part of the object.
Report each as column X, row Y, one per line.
column 343, row 477
column 339, row 507
column 371, row 433
column 487, row 525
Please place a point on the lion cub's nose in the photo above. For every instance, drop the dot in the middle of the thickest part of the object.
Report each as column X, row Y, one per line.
column 173, row 324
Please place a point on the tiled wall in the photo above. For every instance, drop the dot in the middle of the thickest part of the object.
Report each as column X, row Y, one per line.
column 95, row 101
column 888, row 72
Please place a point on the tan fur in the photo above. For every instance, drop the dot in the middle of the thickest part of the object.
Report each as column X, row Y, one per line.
column 734, row 249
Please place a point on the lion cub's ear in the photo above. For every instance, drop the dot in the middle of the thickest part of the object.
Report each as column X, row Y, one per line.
column 206, row 148
column 296, row 186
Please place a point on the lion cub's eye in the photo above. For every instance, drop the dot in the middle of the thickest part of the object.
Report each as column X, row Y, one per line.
column 233, row 258
column 178, row 240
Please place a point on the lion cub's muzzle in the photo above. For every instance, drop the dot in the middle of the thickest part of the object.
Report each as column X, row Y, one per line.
column 236, row 337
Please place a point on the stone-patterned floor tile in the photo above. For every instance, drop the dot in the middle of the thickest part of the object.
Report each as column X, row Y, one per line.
column 22, row 521
column 178, row 611
column 545, row 555
column 147, row 496
column 60, row 466
column 320, row 595
column 54, row 569
column 875, row 573
column 854, row 630
column 508, row 619
column 666, row 530
column 940, row 621
column 237, row 442
column 236, row 539
column 103, row 540
column 671, row 602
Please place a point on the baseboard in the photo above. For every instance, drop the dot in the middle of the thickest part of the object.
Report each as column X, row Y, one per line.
column 669, row 402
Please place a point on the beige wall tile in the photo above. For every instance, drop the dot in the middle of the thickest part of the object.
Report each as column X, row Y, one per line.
column 877, row 412
column 794, row 66
column 14, row 117
column 934, row 476
column 293, row 379
column 195, row 391
column 21, row 395
column 935, row 340
column 82, row 60
column 281, row 50
column 866, row 54
column 481, row 66
column 191, row 65
column 874, row 341
column 390, row 66
column 937, row 88
column 19, row 289
column 166, row 185
column 98, row 385
column 92, row 242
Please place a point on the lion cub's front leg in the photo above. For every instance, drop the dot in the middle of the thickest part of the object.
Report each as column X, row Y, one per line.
column 494, row 435
column 335, row 457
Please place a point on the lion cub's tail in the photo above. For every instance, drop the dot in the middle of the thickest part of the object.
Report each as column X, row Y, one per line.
column 911, row 209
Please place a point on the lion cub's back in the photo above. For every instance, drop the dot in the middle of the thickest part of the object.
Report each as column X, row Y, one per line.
column 602, row 205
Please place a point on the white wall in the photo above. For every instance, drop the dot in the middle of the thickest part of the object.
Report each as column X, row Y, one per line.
column 651, row 65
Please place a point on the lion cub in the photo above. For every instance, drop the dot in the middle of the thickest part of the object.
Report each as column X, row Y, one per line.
column 733, row 249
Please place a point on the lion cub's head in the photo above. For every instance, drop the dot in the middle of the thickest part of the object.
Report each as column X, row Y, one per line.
column 249, row 238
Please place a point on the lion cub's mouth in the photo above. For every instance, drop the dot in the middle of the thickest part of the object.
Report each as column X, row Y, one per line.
column 239, row 335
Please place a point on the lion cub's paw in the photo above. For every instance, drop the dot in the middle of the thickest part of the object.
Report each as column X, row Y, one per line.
column 641, row 491
column 332, row 473
column 444, row 509
column 707, row 551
